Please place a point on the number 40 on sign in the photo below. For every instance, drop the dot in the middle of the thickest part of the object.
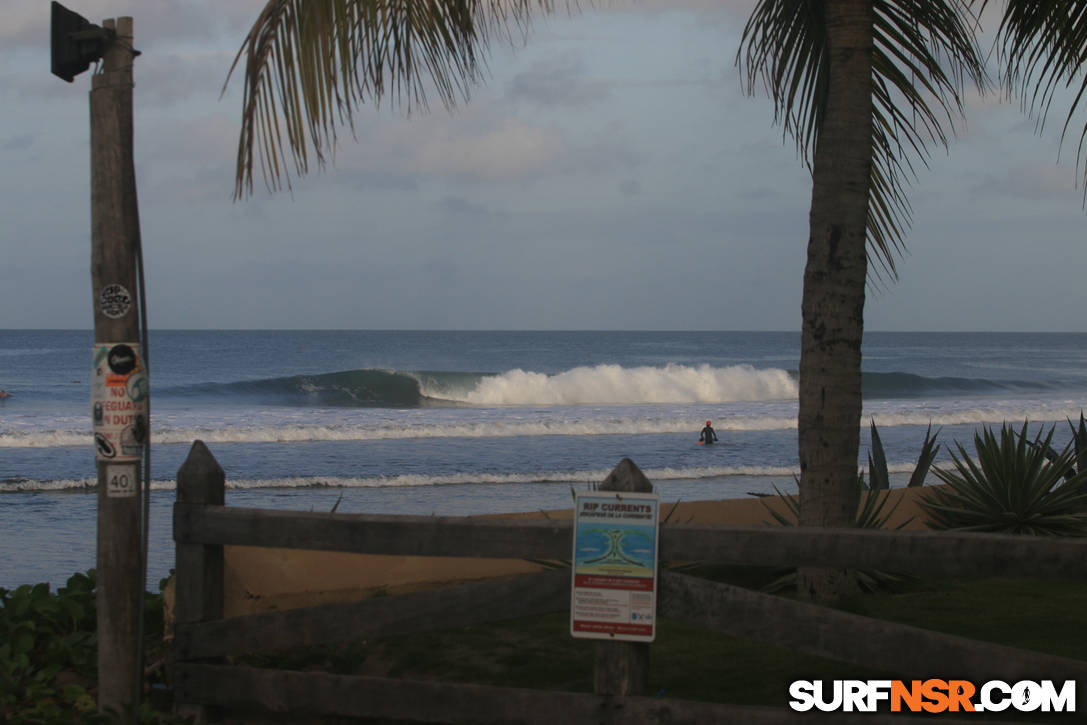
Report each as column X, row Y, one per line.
column 120, row 481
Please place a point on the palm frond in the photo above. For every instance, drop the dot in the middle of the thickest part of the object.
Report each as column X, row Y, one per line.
column 310, row 64
column 1043, row 49
column 924, row 52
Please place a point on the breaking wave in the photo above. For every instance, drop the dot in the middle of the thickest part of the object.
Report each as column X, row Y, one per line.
column 587, row 385
column 602, row 384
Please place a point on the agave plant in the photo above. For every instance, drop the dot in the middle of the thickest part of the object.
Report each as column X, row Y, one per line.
column 870, row 505
column 1079, row 443
column 1014, row 486
column 877, row 462
column 872, row 509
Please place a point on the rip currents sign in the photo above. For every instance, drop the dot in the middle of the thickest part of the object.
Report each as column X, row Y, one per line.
column 614, row 588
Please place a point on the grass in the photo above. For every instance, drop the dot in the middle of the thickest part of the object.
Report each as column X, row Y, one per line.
column 690, row 663
column 686, row 662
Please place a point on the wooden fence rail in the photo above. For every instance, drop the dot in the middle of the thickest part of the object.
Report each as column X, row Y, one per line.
column 285, row 692
column 907, row 552
column 202, row 526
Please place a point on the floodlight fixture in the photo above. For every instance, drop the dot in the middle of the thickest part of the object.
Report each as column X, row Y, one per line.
column 76, row 42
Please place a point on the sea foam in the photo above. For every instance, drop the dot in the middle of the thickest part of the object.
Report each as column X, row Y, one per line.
column 618, row 385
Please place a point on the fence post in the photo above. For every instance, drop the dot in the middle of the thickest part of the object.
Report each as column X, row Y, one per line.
column 622, row 668
column 199, row 576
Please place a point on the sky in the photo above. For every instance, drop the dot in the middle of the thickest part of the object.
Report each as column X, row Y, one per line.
column 610, row 173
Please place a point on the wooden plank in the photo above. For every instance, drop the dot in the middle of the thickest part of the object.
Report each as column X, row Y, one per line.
column 909, row 651
column 459, row 606
column 374, row 534
column 908, row 552
column 310, row 693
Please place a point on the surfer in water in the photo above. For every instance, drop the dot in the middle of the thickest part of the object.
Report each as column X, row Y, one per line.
column 708, row 435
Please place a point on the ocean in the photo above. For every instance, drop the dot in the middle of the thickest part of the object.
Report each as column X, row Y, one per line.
column 457, row 423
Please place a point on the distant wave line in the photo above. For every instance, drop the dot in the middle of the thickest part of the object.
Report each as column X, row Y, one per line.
column 303, row 433
column 898, row 469
column 415, row 480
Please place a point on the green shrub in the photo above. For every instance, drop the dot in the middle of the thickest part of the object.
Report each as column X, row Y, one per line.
column 49, row 656
column 48, row 652
column 1015, row 486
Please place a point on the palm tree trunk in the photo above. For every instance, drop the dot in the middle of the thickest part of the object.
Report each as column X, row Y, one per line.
column 834, row 288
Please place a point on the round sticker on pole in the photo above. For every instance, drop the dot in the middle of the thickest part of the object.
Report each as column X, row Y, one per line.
column 114, row 301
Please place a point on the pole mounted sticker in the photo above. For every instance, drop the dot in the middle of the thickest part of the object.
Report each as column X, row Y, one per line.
column 119, row 392
column 114, row 301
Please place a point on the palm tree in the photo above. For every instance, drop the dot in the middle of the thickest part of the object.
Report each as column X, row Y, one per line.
column 309, row 64
column 1044, row 49
column 861, row 87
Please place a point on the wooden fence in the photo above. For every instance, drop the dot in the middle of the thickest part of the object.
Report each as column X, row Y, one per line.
column 203, row 525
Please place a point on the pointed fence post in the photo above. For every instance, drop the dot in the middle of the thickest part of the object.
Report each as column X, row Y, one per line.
column 622, row 668
column 199, row 576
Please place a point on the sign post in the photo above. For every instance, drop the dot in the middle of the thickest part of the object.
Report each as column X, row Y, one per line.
column 622, row 666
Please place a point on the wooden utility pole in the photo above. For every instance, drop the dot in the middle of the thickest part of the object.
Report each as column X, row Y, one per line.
column 119, row 384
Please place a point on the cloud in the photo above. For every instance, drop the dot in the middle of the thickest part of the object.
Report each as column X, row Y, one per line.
column 172, row 77
column 555, row 81
column 470, row 146
column 17, row 142
column 511, row 150
column 1026, row 182
column 460, row 206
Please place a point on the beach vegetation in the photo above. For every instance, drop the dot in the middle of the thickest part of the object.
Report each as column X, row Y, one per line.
column 47, row 651
column 48, row 656
column 1013, row 484
column 1078, row 444
column 872, row 509
column 871, row 505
